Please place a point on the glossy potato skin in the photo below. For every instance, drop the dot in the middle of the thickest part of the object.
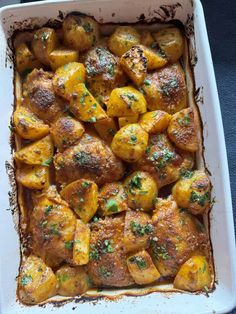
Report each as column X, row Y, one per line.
column 194, row 275
column 66, row 131
column 25, row 60
column 42, row 101
column 33, row 177
column 72, row 281
column 81, row 243
column 155, row 121
column 127, row 120
column 193, row 192
column 62, row 56
column 90, row 159
column 138, row 230
column 165, row 89
column 141, row 190
column 108, row 267
column 80, row 32
column 106, row 129
column 163, row 161
column 52, row 226
column 36, row 281
column 155, row 59
column 177, row 235
column 130, row 142
column 44, row 42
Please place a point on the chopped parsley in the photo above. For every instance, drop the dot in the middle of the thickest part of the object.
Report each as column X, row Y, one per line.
column 148, row 149
column 47, row 162
column 44, row 36
column 139, row 261
column 112, row 206
column 63, row 278
column 48, row 209
column 101, row 248
column 68, row 245
column 203, row 268
column 131, row 96
column 135, row 182
column 87, row 27
column 159, row 251
column 133, row 139
column 184, row 121
column 111, row 69
column 187, row 174
column 94, row 254
column 53, row 229
column 85, row 184
column 168, row 87
column 147, row 82
column 140, row 230
column 92, row 119
column 162, row 159
column 82, row 97
column 201, row 199
column 105, row 272
column 81, row 158
column 26, row 279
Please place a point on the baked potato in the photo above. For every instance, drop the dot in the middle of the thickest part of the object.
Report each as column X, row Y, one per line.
column 62, row 56
column 127, row 120
column 106, row 129
column 33, row 177
column 155, row 121
column 25, row 60
column 155, row 59
column 130, row 142
column 146, row 38
column 81, row 243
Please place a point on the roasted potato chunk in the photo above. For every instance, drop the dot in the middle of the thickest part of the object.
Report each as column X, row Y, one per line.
column 155, row 121
column 29, row 126
column 134, row 64
column 123, row 39
column 90, row 159
column 80, row 32
column 106, row 129
column 67, row 77
column 37, row 153
column 193, row 192
column 171, row 41
column 194, row 275
column 40, row 96
column 72, row 281
column 163, row 161
column 62, row 56
column 141, row 189
column 112, row 199
column 183, row 130
column 82, row 196
column 81, row 243
column 127, row 120
column 52, row 226
column 25, row 60
column 130, row 142
column 138, row 230
column 33, row 177
column 146, row 38
column 107, row 265
column 165, row 89
column 36, row 282
column 142, row 269
column 126, row 101
column 85, row 107
column 176, row 236
column 44, row 42
column 155, row 59
column 66, row 131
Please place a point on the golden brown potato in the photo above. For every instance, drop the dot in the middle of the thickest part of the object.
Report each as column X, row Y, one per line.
column 194, row 275
column 62, row 56
column 155, row 59
column 106, row 129
column 107, row 265
column 67, row 77
column 90, row 159
column 25, row 60
column 80, row 32
column 82, row 196
column 81, row 243
column 193, row 192
column 37, row 153
column 36, row 282
column 126, row 101
column 84, row 106
column 52, row 226
column 123, row 39
column 44, row 42
column 142, row 269
column 155, row 121
column 146, row 38
column 171, row 41
column 134, row 64
column 29, row 126
column 112, row 199
column 176, row 236
column 163, row 161
column 72, row 281
column 66, row 131
column 127, row 120
column 165, row 89
column 104, row 72
column 33, row 177
column 141, row 189
column 40, row 97
column 138, row 230
column 183, row 130
column 130, row 142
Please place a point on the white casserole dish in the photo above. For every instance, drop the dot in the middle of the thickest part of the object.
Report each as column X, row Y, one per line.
column 223, row 298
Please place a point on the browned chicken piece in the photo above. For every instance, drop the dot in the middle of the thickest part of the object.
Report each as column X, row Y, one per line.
column 177, row 235
column 90, row 159
column 103, row 72
column 52, row 225
column 41, row 99
column 163, row 161
column 107, row 265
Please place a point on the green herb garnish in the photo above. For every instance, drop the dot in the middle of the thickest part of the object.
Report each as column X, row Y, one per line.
column 48, row 209
column 26, row 279
column 140, row 230
column 139, row 261
column 112, row 206
column 47, row 163
column 201, row 199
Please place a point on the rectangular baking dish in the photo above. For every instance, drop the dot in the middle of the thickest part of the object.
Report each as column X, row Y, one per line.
column 190, row 13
